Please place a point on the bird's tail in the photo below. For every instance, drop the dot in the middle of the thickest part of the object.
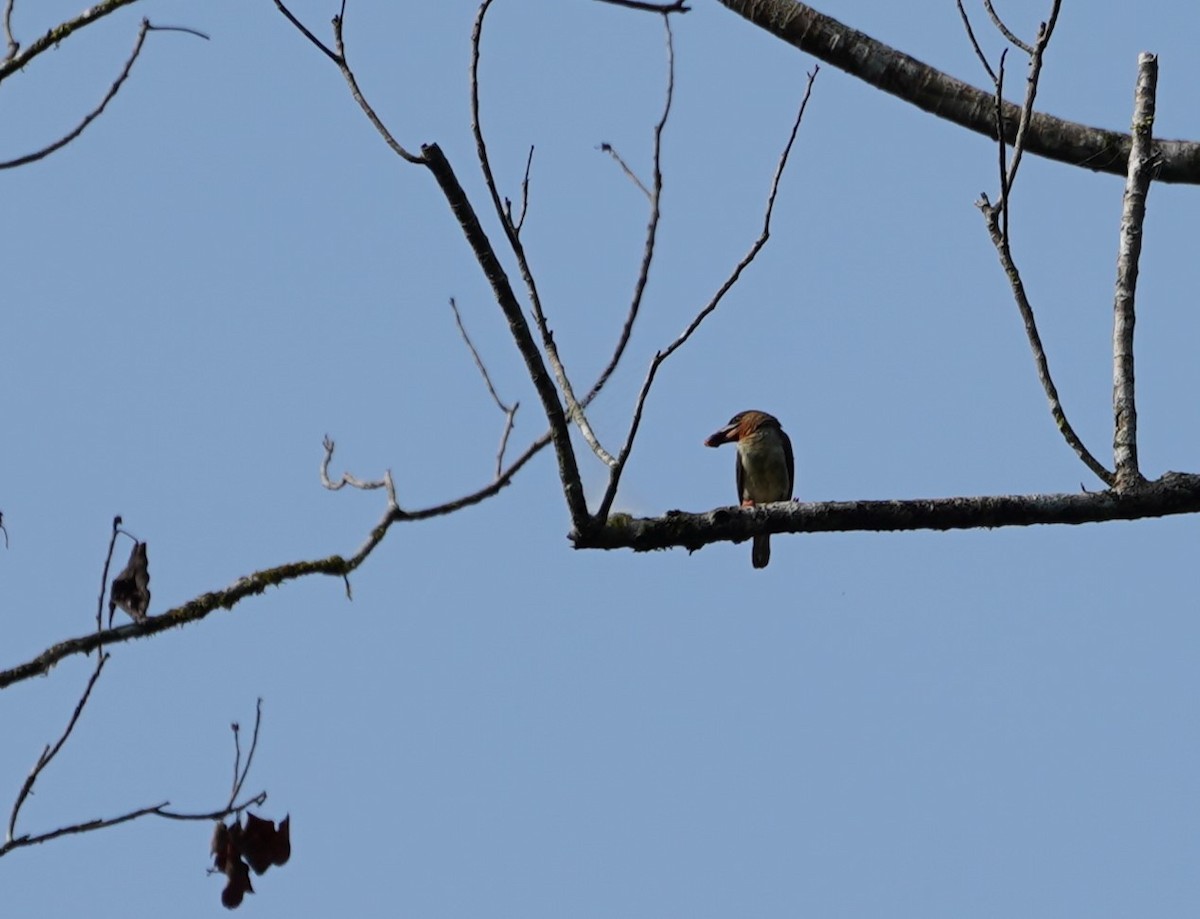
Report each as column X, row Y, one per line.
column 760, row 555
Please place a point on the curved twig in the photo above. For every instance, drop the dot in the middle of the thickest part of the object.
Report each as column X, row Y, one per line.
column 95, row 113
column 573, row 407
column 655, row 196
column 50, row 752
column 614, row 479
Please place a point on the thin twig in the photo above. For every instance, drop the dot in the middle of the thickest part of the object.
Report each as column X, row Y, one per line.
column 157, row 810
column 639, row 287
column 1002, row 209
column 348, row 479
column 352, row 81
column 509, row 412
column 303, row 29
column 13, row 45
column 50, row 752
column 1004, row 30
column 483, row 371
column 1035, row 344
column 574, row 409
column 1142, row 162
column 186, row 30
column 966, row 21
column 610, row 492
column 92, row 115
column 1036, row 56
column 630, row 174
column 460, row 205
column 519, row 222
column 12, row 841
column 679, row 6
column 112, row 544
column 239, row 779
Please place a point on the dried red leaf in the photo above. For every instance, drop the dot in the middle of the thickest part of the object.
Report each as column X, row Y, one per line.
column 220, row 846
column 237, row 886
column 238, row 849
column 263, row 845
column 131, row 588
column 283, row 842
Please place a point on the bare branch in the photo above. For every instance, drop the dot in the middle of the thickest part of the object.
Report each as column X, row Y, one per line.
column 574, row 409
column 108, row 97
column 639, row 287
column 679, row 6
column 1035, row 344
column 13, row 45
column 966, row 21
column 483, row 371
column 432, row 158
column 485, row 256
column 509, row 413
column 258, row 582
column 1045, row 30
column 1003, row 209
column 338, row 57
column 610, row 492
column 1142, row 164
column 157, row 810
column 303, row 30
column 347, row 479
column 952, row 99
column 112, row 544
column 352, row 82
column 1174, row 493
column 1004, row 30
column 186, row 30
column 519, row 222
column 58, row 34
column 50, row 752
column 239, row 777
column 630, row 174
column 12, row 841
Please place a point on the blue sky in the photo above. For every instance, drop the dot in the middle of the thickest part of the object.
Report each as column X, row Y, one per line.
column 230, row 264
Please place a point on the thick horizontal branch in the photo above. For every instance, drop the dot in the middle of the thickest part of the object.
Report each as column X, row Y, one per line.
column 1174, row 493
column 940, row 94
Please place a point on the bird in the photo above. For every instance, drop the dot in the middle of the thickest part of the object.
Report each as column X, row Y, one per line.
column 766, row 468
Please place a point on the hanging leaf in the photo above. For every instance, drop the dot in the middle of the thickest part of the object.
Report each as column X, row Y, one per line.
column 131, row 588
column 237, row 849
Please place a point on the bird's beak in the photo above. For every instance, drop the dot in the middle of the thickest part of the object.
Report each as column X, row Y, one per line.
column 727, row 434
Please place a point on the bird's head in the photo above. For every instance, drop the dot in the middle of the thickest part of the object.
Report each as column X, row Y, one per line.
column 743, row 424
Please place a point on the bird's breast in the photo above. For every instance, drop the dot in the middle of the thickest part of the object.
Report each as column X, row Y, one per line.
column 764, row 468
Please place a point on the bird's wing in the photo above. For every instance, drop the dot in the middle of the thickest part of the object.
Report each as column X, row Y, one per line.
column 791, row 465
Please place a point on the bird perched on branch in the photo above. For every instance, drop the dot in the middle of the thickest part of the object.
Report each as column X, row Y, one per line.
column 766, row 469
